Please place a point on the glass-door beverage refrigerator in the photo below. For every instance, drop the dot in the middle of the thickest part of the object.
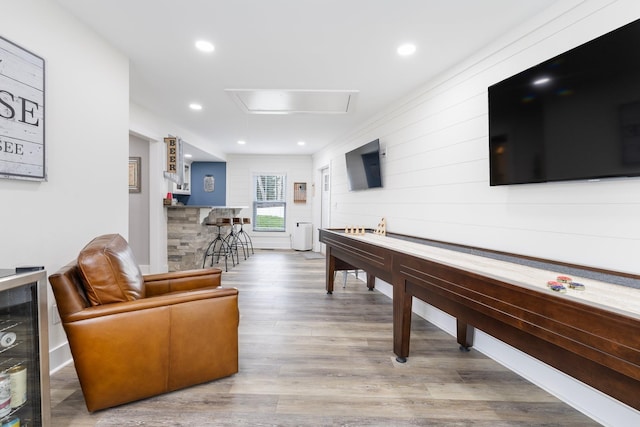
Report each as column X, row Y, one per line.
column 24, row 353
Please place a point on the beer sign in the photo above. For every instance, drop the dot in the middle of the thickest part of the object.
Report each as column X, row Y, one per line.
column 172, row 154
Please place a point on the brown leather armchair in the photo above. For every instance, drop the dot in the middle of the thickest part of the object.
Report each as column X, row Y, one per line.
column 135, row 336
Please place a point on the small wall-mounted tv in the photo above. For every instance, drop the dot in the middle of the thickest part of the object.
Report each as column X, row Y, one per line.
column 363, row 166
column 574, row 116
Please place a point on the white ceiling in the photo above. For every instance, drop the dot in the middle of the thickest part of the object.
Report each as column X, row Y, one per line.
column 292, row 45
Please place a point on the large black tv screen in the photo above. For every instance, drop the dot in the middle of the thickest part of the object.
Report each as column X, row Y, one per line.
column 575, row 116
column 363, row 167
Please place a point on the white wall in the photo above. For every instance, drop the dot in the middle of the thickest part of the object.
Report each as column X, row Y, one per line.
column 436, row 180
column 436, row 173
column 86, row 135
column 240, row 171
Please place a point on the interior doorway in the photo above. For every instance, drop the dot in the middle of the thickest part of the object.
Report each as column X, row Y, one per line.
column 139, row 205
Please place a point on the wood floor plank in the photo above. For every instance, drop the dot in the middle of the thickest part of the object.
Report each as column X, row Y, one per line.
column 312, row 359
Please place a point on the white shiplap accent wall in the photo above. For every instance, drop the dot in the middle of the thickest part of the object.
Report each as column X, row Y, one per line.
column 436, row 182
column 436, row 168
column 240, row 172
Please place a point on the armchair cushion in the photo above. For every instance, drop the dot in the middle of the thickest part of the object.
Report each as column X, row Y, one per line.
column 110, row 271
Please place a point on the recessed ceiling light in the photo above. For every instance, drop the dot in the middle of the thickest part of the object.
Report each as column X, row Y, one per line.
column 204, row 46
column 542, row 81
column 406, row 49
column 194, row 106
column 188, row 156
column 301, row 143
column 241, row 142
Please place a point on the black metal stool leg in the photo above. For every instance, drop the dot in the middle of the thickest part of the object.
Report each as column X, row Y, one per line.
column 235, row 241
column 244, row 236
column 218, row 247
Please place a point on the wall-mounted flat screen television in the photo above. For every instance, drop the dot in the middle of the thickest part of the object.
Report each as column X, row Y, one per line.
column 575, row 116
column 363, row 166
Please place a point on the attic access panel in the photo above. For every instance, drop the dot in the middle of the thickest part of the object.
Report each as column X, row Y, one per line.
column 271, row 101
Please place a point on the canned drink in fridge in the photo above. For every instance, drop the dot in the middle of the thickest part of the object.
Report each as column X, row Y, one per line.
column 18, row 378
column 13, row 422
column 7, row 339
column 5, row 394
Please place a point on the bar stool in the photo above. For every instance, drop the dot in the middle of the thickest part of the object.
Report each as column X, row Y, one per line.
column 234, row 240
column 243, row 236
column 219, row 247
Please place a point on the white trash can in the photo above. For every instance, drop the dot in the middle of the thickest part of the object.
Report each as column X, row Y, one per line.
column 303, row 236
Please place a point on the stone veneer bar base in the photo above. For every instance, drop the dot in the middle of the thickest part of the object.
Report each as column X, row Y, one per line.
column 188, row 236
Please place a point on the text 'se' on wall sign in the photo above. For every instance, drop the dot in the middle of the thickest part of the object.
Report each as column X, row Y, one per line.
column 22, row 149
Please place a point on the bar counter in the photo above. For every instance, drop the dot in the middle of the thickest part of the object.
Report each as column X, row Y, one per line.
column 188, row 234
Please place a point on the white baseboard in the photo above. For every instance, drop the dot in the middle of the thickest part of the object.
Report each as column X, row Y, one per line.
column 59, row 357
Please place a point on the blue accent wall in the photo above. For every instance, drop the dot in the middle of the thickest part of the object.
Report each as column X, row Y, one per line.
column 198, row 196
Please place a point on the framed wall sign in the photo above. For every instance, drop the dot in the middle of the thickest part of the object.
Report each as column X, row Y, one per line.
column 172, row 154
column 175, row 160
column 300, row 192
column 22, row 146
column 134, row 175
column 209, row 183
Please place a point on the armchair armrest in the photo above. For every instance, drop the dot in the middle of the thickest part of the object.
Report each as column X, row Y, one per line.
column 162, row 283
column 160, row 301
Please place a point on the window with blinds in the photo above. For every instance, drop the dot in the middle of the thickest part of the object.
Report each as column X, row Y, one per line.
column 269, row 205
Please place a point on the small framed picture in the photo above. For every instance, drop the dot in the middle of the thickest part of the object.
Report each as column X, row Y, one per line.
column 134, row 175
column 300, row 192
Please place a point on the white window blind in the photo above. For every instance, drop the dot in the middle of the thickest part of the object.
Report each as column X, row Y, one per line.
column 269, row 205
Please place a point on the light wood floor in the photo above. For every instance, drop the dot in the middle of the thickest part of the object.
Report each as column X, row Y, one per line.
column 312, row 359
